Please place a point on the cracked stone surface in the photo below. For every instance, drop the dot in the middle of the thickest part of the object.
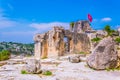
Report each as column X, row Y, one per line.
column 61, row 68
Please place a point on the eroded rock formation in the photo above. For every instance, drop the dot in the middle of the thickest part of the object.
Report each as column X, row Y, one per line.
column 59, row 41
column 81, row 26
column 104, row 56
column 32, row 66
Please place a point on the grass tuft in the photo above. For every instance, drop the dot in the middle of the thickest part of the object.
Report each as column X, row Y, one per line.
column 24, row 72
column 96, row 39
column 44, row 58
column 82, row 53
column 47, row 73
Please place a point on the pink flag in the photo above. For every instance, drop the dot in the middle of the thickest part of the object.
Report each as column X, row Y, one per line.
column 90, row 17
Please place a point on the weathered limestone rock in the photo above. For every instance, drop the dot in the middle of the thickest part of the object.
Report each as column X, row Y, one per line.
column 74, row 59
column 101, row 33
column 59, row 41
column 50, row 44
column 78, row 42
column 96, row 34
column 81, row 26
column 91, row 36
column 37, row 46
column 2, row 63
column 119, row 31
column 41, row 45
column 81, row 43
column 56, row 42
column 32, row 66
column 104, row 55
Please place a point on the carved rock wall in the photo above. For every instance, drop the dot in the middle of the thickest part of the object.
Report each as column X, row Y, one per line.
column 82, row 43
column 59, row 41
column 81, row 26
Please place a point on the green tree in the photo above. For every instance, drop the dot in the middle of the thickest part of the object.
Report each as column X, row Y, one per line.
column 4, row 55
column 97, row 39
column 109, row 30
column 72, row 25
column 117, row 40
column 1, row 48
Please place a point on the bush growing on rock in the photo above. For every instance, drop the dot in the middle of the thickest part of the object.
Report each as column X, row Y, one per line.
column 72, row 25
column 117, row 40
column 96, row 39
column 113, row 69
column 24, row 72
column 110, row 31
column 4, row 55
column 107, row 29
column 44, row 58
column 47, row 73
column 82, row 53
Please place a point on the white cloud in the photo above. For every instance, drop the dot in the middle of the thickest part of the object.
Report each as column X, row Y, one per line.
column 17, row 36
column 23, row 30
column 41, row 27
column 22, row 33
column 5, row 21
column 106, row 19
column 27, row 30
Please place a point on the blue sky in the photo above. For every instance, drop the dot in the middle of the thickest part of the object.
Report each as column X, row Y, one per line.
column 20, row 20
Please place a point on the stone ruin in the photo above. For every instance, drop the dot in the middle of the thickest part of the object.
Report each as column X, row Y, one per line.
column 58, row 41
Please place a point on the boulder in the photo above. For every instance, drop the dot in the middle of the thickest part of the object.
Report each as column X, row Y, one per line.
column 74, row 59
column 32, row 66
column 101, row 33
column 104, row 55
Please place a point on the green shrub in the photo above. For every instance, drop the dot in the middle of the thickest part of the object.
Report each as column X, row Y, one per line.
column 117, row 40
column 57, row 64
column 96, row 39
column 113, row 69
column 109, row 30
column 24, row 72
column 107, row 69
column 72, row 24
column 4, row 55
column 47, row 73
column 82, row 53
column 44, row 58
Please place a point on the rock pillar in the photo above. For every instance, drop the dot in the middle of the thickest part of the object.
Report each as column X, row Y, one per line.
column 37, row 48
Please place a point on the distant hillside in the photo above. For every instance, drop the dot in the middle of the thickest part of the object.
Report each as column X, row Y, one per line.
column 17, row 48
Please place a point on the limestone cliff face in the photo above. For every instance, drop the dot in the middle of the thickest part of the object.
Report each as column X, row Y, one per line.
column 81, row 26
column 56, row 42
column 78, row 42
column 37, row 46
column 81, row 42
column 59, row 41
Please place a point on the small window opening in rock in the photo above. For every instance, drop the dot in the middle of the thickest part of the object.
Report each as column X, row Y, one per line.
column 65, row 39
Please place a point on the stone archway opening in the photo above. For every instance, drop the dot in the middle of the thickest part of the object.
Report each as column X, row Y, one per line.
column 67, row 44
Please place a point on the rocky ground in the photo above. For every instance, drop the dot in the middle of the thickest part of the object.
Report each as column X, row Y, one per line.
column 61, row 68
